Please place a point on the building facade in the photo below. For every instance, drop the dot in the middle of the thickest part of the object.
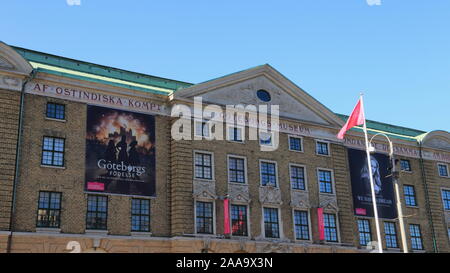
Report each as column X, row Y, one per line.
column 298, row 198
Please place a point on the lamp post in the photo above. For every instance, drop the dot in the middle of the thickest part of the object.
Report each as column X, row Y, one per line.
column 395, row 176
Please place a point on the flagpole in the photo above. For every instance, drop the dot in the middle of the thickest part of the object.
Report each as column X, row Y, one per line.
column 372, row 187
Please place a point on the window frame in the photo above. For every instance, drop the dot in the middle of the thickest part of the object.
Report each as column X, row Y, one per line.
column 97, row 196
column 308, row 214
column 336, row 221
column 230, row 137
column 211, row 154
column 280, row 226
column 443, row 199
column 415, row 237
column 333, row 190
column 446, row 168
column 301, row 144
column 55, row 110
column 49, row 209
column 389, row 234
column 202, row 136
column 247, row 219
column 409, row 170
column 229, row 156
column 213, row 217
column 261, row 174
column 53, row 151
column 140, row 214
column 408, row 196
column 365, row 232
column 305, row 177
column 272, row 136
column 317, row 141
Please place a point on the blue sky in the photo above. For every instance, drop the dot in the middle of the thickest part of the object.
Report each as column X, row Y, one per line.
column 397, row 53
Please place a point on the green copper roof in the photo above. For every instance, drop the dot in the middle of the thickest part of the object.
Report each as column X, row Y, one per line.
column 391, row 130
column 98, row 73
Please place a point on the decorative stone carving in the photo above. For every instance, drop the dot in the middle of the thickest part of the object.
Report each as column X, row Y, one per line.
column 270, row 195
column 239, row 193
column 328, row 202
column 300, row 199
column 274, row 247
column 204, row 190
column 11, row 83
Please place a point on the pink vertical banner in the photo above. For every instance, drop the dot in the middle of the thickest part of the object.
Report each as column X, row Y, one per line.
column 321, row 224
column 226, row 216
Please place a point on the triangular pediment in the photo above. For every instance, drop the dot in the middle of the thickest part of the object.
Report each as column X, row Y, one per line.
column 10, row 60
column 241, row 88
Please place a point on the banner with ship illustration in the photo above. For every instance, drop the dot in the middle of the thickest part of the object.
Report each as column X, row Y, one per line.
column 120, row 152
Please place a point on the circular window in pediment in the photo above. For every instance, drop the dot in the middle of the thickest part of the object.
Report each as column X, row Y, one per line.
column 263, row 95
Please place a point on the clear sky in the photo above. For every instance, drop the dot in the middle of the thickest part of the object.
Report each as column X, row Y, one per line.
column 397, row 53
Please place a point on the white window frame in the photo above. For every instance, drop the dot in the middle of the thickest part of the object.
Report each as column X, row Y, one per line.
column 442, row 198
column 305, row 175
column 213, row 213
column 405, row 171
column 229, row 136
column 309, row 225
column 245, row 169
column 301, row 143
column 213, row 177
column 272, row 136
column 328, row 147
column 446, row 166
column 208, row 129
column 276, row 172
column 333, row 181
column 338, row 229
column 248, row 219
column 280, row 222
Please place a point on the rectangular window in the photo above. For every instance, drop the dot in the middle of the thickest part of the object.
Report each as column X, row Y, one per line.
column 405, row 165
column 443, row 170
column 295, row 144
column 410, row 195
column 53, row 151
column 140, row 215
column 236, row 170
column 239, row 220
column 365, row 235
column 203, row 166
column 49, row 209
column 298, row 178
column 416, row 237
column 235, row 134
column 330, row 227
column 322, row 148
column 56, row 111
column 271, row 224
column 301, row 223
column 201, row 129
column 204, row 214
column 268, row 174
column 446, row 199
column 390, row 235
column 97, row 212
column 325, row 181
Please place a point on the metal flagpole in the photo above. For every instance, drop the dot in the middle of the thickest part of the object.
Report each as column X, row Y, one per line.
column 372, row 187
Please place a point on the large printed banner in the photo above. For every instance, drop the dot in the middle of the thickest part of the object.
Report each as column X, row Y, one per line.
column 120, row 152
column 384, row 189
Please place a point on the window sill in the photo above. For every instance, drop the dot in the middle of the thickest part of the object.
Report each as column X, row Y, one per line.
column 412, row 207
column 48, row 230
column 297, row 151
column 328, row 155
column 55, row 119
column 53, row 167
column 141, row 234
column 204, row 180
column 96, row 232
column 236, row 141
column 238, row 183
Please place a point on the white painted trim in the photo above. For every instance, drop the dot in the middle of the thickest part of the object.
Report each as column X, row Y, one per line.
column 446, row 166
column 442, row 198
column 213, row 177
column 245, row 168
column 248, row 220
column 228, row 136
column 338, row 229
column 304, row 173
column 328, row 147
column 276, row 172
column 301, row 143
column 208, row 128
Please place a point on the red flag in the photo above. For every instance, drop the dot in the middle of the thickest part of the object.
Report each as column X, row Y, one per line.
column 226, row 216
column 356, row 118
column 321, row 223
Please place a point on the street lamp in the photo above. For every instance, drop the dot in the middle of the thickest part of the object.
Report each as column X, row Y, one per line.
column 395, row 175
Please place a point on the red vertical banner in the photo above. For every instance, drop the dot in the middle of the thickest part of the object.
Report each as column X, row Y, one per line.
column 321, row 224
column 226, row 216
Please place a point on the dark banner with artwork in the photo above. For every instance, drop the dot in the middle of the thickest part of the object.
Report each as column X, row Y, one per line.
column 120, row 152
column 384, row 189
